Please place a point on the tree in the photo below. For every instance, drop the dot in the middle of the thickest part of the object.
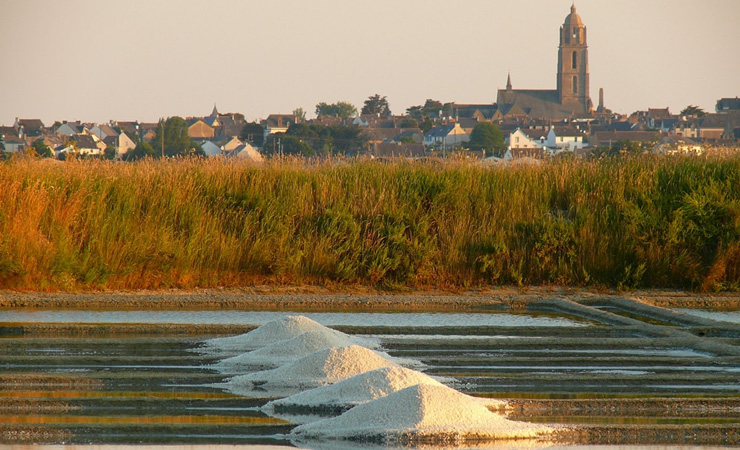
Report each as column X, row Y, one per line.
column 172, row 136
column 426, row 124
column 282, row 144
column 409, row 123
column 431, row 108
column 41, row 149
column 377, row 105
column 693, row 111
column 2, row 143
column 300, row 114
column 141, row 151
column 253, row 133
column 109, row 153
column 335, row 139
column 343, row 110
column 489, row 138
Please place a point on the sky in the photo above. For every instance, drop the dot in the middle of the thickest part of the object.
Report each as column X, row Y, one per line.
column 101, row 60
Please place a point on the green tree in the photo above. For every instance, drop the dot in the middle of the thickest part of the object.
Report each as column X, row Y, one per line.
column 41, row 149
column 2, row 143
column 375, row 104
column 431, row 108
column 109, row 153
column 426, row 124
column 488, row 137
column 172, row 135
column 141, row 151
column 343, row 110
column 253, row 133
column 335, row 139
column 282, row 144
column 300, row 114
column 693, row 111
column 409, row 123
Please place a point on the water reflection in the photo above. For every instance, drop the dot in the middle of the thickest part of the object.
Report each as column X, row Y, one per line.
column 261, row 317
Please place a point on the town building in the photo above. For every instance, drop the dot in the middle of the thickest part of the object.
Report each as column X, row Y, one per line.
column 572, row 97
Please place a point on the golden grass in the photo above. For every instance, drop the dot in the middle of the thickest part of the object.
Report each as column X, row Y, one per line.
column 637, row 222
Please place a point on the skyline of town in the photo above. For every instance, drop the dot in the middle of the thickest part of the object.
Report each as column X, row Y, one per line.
column 651, row 55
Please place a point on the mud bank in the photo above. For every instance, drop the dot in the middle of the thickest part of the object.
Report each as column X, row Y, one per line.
column 319, row 299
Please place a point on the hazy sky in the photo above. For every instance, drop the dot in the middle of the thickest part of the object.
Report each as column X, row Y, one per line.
column 97, row 60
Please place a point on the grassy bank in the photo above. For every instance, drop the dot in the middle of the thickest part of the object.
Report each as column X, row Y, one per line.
column 642, row 222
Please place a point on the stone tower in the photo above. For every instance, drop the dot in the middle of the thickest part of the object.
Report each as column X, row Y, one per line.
column 573, row 82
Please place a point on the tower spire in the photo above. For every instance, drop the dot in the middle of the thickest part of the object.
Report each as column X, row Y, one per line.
column 508, row 82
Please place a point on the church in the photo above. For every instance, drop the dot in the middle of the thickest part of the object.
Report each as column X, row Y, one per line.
column 571, row 98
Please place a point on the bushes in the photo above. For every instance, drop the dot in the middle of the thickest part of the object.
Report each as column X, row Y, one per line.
column 636, row 222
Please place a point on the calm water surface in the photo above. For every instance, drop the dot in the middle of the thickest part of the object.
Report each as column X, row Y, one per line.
column 722, row 316
column 261, row 317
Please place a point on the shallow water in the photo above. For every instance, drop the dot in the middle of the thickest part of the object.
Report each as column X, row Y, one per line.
column 152, row 389
column 723, row 316
column 261, row 317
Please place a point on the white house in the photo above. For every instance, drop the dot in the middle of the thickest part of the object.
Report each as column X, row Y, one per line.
column 527, row 143
column 446, row 136
column 13, row 143
column 82, row 144
column 103, row 131
column 246, row 152
column 233, row 143
column 210, row 149
column 528, row 139
column 278, row 123
column 70, row 129
column 122, row 143
column 677, row 145
column 561, row 139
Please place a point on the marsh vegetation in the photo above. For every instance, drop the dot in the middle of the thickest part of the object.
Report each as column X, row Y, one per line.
column 185, row 223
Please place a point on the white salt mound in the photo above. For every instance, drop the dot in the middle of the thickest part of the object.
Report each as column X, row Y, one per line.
column 289, row 350
column 319, row 368
column 356, row 390
column 424, row 412
column 281, row 329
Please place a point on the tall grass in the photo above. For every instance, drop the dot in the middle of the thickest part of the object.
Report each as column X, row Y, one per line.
column 642, row 222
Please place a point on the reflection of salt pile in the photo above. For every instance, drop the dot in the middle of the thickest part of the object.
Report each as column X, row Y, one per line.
column 277, row 330
column 423, row 412
column 319, row 368
column 355, row 390
column 289, row 350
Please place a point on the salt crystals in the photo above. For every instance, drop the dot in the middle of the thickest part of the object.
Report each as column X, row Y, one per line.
column 388, row 403
column 318, row 368
column 353, row 391
column 421, row 413
column 277, row 330
column 289, row 350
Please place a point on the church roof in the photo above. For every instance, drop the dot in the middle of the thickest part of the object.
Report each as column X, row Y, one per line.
column 573, row 19
column 534, row 103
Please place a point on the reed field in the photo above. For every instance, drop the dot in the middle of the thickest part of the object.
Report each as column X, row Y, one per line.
column 617, row 223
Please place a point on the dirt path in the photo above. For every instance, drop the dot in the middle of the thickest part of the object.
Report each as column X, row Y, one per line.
column 316, row 298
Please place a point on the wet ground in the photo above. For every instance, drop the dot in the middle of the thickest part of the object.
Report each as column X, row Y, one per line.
column 616, row 371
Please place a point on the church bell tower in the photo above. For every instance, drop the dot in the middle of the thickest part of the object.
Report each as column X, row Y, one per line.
column 573, row 82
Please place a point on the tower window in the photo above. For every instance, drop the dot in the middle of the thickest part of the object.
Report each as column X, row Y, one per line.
column 575, row 60
column 575, row 85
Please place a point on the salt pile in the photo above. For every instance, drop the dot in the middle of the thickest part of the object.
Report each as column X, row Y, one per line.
column 421, row 413
column 319, row 368
column 277, row 330
column 353, row 391
column 289, row 350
